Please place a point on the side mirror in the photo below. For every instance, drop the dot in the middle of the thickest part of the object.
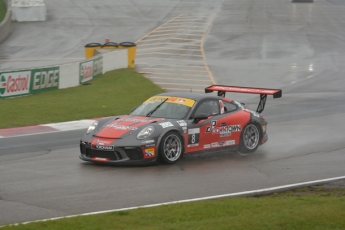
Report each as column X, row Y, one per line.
column 200, row 116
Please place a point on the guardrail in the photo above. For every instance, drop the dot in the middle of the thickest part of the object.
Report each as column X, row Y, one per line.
column 6, row 24
column 41, row 79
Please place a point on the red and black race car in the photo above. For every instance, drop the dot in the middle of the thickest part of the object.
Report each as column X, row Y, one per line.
column 168, row 125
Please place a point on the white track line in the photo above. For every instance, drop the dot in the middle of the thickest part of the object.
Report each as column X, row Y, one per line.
column 59, row 127
column 245, row 193
column 70, row 125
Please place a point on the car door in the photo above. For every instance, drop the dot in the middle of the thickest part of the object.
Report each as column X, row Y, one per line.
column 221, row 128
column 199, row 134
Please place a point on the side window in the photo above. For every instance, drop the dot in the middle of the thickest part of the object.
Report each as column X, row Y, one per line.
column 210, row 108
column 229, row 106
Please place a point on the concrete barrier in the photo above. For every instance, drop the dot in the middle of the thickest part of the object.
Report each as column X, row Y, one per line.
column 6, row 24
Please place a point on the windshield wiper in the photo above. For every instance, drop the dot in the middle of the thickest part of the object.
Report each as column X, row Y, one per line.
column 157, row 107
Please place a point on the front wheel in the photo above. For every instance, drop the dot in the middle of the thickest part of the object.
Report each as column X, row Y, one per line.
column 250, row 138
column 170, row 149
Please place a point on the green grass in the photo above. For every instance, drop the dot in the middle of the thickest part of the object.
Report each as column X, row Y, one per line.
column 115, row 93
column 317, row 210
column 2, row 10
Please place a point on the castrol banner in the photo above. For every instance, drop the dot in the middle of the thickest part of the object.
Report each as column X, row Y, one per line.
column 90, row 69
column 15, row 83
column 19, row 83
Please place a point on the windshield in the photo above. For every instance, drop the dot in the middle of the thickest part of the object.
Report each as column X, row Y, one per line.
column 173, row 107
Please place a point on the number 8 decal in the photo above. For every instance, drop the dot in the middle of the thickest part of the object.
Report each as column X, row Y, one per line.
column 193, row 137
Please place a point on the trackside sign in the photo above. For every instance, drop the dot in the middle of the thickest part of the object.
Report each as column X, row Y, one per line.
column 45, row 79
column 15, row 83
column 26, row 82
column 90, row 69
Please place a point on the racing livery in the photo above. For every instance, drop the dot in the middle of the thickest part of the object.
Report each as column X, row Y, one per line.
column 168, row 125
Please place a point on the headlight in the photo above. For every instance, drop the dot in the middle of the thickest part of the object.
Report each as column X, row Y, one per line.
column 146, row 132
column 92, row 127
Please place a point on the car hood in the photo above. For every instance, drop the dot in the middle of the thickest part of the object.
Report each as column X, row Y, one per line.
column 124, row 126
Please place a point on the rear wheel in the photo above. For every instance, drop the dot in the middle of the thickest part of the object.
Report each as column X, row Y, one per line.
column 250, row 138
column 170, row 149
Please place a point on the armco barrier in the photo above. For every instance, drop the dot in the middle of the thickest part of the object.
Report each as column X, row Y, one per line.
column 35, row 80
column 6, row 24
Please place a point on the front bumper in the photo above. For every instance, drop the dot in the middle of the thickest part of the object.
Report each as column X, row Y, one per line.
column 120, row 155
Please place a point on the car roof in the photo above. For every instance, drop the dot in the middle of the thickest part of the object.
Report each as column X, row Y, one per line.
column 194, row 96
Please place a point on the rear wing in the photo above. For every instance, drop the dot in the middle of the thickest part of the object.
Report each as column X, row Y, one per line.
column 222, row 89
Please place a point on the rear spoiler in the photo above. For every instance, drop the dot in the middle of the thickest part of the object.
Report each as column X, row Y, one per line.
column 222, row 89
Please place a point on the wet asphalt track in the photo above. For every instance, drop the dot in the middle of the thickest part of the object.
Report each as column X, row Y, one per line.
column 264, row 43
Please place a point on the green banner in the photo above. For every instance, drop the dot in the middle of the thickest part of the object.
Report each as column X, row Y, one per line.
column 45, row 79
column 90, row 69
column 19, row 83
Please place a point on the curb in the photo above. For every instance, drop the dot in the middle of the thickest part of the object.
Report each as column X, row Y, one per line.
column 46, row 128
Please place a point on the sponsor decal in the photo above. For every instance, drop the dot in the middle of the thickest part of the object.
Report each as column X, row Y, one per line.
column 231, row 142
column 207, row 146
column 194, row 131
column 182, row 123
column 121, row 127
column 166, row 124
column 176, row 100
column 214, row 144
column 222, row 130
column 14, row 83
column 149, row 152
column 222, row 143
column 193, row 137
column 209, row 128
column 184, row 129
column 103, row 147
column 134, row 120
column 100, row 159
column 102, row 142
column 45, row 79
column 149, row 145
column 244, row 90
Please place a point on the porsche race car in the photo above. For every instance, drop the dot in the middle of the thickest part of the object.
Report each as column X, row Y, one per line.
column 168, row 125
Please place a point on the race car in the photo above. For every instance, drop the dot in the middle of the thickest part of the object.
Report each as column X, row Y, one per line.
column 168, row 125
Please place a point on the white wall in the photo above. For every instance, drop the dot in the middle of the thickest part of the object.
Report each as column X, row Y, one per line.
column 69, row 75
column 116, row 59
column 112, row 59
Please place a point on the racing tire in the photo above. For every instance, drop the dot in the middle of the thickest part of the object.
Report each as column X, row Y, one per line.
column 171, row 148
column 250, row 138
